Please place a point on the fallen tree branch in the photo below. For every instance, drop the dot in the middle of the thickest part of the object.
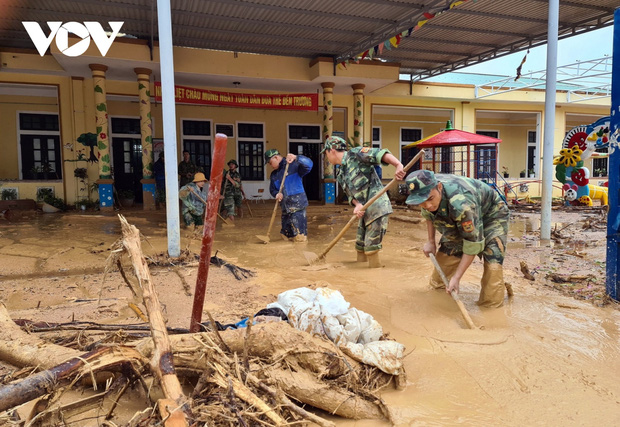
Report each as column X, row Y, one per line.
column 162, row 361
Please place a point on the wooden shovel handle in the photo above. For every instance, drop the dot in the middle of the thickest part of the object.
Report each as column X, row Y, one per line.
column 368, row 203
column 455, row 296
column 275, row 208
column 205, row 203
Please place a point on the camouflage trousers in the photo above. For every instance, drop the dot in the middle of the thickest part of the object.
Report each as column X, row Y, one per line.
column 494, row 248
column 190, row 218
column 231, row 203
column 294, row 223
column 492, row 282
column 370, row 236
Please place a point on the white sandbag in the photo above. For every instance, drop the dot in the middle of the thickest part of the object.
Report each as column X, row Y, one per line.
column 385, row 355
column 334, row 330
column 331, row 301
column 295, row 297
column 360, row 327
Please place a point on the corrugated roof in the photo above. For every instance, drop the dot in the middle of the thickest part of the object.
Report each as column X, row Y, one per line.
column 448, row 39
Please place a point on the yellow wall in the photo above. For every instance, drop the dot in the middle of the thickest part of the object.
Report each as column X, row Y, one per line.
column 76, row 106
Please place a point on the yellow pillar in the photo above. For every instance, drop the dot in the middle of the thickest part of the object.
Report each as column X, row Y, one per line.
column 329, row 182
column 358, row 111
column 146, row 131
column 106, row 199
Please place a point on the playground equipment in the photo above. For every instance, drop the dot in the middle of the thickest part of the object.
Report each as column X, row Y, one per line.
column 580, row 144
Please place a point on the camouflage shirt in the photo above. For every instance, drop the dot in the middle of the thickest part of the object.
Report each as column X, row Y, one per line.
column 358, row 178
column 191, row 202
column 470, row 213
column 186, row 168
column 229, row 189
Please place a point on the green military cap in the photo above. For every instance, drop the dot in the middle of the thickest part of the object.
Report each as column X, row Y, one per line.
column 420, row 183
column 233, row 161
column 269, row 154
column 334, row 143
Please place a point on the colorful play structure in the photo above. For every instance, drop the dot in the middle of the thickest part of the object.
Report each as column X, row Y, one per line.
column 580, row 144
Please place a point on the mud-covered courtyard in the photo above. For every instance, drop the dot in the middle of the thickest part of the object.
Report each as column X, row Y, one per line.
column 549, row 356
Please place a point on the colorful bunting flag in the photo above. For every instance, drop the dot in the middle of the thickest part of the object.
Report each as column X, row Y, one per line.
column 395, row 41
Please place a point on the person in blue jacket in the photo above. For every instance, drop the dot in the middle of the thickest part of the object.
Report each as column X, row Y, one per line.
column 293, row 198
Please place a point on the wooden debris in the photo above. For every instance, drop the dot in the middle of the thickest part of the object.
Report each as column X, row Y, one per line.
column 280, row 367
column 526, row 271
column 562, row 278
column 162, row 361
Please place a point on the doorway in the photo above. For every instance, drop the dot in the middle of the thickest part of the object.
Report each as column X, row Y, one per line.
column 306, row 140
column 127, row 163
column 313, row 178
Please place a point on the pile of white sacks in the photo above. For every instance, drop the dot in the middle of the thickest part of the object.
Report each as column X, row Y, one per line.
column 325, row 312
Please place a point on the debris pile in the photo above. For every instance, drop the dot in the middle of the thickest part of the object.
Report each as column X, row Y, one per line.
column 266, row 373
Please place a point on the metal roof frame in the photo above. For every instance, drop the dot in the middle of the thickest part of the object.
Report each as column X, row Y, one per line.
column 436, row 36
column 582, row 81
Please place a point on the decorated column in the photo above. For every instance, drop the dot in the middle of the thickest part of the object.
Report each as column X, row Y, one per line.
column 329, row 180
column 146, row 131
column 105, row 181
column 358, row 111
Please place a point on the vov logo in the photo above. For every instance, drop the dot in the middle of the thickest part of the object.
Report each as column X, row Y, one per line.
column 61, row 31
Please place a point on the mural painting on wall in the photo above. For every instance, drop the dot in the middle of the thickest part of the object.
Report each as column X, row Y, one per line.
column 579, row 145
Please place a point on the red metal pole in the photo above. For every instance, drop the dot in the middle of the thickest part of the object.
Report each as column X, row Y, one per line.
column 217, row 169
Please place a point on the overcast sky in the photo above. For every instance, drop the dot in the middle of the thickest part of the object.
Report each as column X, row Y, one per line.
column 592, row 45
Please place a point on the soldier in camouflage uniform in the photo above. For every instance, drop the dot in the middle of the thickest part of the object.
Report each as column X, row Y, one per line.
column 187, row 169
column 232, row 191
column 358, row 177
column 193, row 209
column 472, row 220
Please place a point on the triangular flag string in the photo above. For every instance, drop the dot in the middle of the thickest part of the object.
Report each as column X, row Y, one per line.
column 395, row 40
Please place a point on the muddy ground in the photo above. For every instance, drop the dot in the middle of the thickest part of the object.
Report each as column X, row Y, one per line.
column 550, row 356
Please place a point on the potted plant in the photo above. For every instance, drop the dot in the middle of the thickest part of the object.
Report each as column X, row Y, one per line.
column 505, row 172
column 126, row 198
column 530, row 173
column 9, row 194
column 522, row 174
column 80, row 173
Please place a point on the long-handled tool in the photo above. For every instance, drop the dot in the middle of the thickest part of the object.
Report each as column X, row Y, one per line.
column 313, row 258
column 247, row 203
column 266, row 238
column 454, row 294
column 205, row 203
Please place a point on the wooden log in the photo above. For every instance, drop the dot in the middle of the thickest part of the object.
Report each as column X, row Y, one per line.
column 102, row 359
column 273, row 341
column 22, row 349
column 306, row 388
column 162, row 361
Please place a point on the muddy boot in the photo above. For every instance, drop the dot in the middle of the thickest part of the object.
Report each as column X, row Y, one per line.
column 361, row 257
column 373, row 259
column 300, row 238
column 285, row 238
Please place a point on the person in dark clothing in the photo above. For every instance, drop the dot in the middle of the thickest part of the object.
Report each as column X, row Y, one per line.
column 293, row 196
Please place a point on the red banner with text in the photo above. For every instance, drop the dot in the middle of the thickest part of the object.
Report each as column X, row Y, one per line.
column 190, row 95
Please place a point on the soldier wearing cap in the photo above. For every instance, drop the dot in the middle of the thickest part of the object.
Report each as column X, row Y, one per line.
column 232, row 191
column 472, row 220
column 293, row 198
column 193, row 209
column 358, row 177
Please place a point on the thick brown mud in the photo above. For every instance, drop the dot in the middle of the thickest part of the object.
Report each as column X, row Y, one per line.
column 544, row 358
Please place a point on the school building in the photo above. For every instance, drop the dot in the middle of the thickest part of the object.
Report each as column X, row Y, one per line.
column 50, row 104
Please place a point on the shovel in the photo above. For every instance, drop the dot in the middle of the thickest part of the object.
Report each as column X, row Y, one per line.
column 266, row 238
column 205, row 203
column 313, row 258
column 454, row 294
